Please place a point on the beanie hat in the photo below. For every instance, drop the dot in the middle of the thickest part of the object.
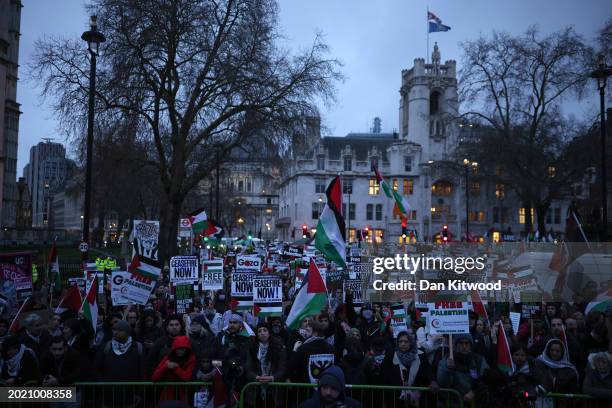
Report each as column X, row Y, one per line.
column 122, row 325
column 199, row 318
column 331, row 381
column 463, row 336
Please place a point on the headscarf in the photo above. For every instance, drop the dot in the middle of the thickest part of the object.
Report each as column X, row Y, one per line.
column 13, row 364
column 563, row 363
column 406, row 357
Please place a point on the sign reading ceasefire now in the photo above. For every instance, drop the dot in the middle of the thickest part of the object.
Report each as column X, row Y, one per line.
column 184, row 269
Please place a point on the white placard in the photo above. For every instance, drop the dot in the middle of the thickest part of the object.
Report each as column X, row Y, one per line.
column 448, row 318
column 184, row 269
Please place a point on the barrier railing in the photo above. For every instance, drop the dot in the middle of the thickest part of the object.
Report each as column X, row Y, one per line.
column 286, row 394
column 135, row 394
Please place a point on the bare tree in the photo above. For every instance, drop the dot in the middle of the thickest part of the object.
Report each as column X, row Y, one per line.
column 514, row 86
column 200, row 76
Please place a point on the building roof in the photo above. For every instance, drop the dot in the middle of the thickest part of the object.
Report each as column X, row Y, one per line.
column 361, row 143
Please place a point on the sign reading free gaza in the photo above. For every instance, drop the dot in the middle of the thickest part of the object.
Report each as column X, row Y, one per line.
column 448, row 318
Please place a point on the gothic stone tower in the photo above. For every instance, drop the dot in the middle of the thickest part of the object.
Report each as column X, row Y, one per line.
column 429, row 105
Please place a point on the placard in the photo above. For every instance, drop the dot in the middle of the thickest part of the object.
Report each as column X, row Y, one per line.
column 531, row 310
column 118, row 288
column 398, row 320
column 267, row 295
column 183, row 296
column 146, row 235
column 355, row 288
column 16, row 274
column 212, row 274
column 184, row 269
column 248, row 262
column 81, row 283
column 515, row 319
column 242, row 290
column 448, row 318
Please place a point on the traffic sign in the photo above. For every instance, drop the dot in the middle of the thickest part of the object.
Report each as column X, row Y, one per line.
column 83, row 247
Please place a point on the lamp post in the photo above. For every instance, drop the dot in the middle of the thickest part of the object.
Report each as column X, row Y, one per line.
column 467, row 164
column 93, row 38
column 601, row 74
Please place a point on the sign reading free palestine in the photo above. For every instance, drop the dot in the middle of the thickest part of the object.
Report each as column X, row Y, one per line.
column 448, row 318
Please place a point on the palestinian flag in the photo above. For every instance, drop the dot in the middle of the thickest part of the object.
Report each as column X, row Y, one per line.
column 310, row 300
column 504, row 358
column 330, row 238
column 382, row 183
column 198, row 222
column 144, row 267
column 54, row 268
column 478, row 306
column 90, row 304
column 401, row 202
column 246, row 331
column 70, row 301
column 600, row 303
column 16, row 324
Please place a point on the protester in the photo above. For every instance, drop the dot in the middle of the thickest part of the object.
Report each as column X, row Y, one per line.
column 462, row 370
column 553, row 370
column 231, row 337
column 200, row 335
column 18, row 364
column 61, row 365
column 331, row 391
column 598, row 379
column 173, row 326
column 312, row 356
column 266, row 363
column 147, row 329
column 35, row 337
column 55, row 326
column 178, row 365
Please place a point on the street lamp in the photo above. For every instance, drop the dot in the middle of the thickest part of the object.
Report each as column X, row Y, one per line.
column 467, row 164
column 93, row 38
column 601, row 74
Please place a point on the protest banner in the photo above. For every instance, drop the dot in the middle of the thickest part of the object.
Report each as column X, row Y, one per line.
column 242, row 290
column 449, row 317
column 183, row 297
column 118, row 288
column 356, row 289
column 143, row 278
column 146, row 236
column 267, row 295
column 212, row 274
column 184, row 269
column 398, row 319
column 248, row 262
column 16, row 275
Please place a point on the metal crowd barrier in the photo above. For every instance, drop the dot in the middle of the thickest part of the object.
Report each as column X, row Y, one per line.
column 287, row 394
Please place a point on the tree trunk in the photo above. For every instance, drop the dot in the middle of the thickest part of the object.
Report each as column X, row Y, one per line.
column 168, row 226
column 528, row 224
column 541, row 211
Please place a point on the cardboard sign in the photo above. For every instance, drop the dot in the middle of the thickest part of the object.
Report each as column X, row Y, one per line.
column 183, row 296
column 248, row 262
column 146, row 237
column 242, row 289
column 448, row 317
column 268, row 295
column 138, row 289
column 530, row 310
column 184, row 269
column 16, row 272
column 212, row 274
column 398, row 320
column 118, row 289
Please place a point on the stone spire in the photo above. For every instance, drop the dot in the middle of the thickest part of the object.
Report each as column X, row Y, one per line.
column 435, row 57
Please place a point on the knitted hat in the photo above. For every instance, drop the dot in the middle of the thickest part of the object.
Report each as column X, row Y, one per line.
column 123, row 326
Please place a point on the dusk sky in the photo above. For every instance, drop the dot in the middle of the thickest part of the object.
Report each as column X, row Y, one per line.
column 374, row 39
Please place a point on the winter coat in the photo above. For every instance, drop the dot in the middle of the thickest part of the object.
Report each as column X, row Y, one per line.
column 561, row 380
column 67, row 370
column 302, row 361
column 317, row 401
column 28, row 369
column 183, row 372
column 278, row 366
column 599, row 387
column 462, row 377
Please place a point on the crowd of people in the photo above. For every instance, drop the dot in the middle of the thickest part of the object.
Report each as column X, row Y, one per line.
column 561, row 351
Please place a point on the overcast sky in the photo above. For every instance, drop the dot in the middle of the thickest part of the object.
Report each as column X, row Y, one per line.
column 374, row 39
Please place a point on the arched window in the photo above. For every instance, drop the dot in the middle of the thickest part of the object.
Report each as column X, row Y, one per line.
column 434, row 103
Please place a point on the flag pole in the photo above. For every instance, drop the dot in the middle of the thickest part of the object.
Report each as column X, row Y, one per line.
column 427, row 28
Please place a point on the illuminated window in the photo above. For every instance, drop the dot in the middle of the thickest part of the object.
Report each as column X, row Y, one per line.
column 442, row 188
column 500, row 190
column 352, row 236
column 522, row 213
column 477, row 216
column 378, row 235
column 408, row 186
column 374, row 187
column 395, row 184
column 552, row 171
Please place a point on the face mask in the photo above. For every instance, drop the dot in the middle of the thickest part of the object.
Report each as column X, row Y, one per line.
column 304, row 333
column 367, row 314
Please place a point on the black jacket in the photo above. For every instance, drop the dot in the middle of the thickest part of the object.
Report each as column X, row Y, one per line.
column 128, row 366
column 67, row 370
column 300, row 364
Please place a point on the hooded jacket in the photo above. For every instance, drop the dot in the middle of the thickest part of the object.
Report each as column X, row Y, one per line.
column 556, row 376
column 337, row 376
column 184, row 371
